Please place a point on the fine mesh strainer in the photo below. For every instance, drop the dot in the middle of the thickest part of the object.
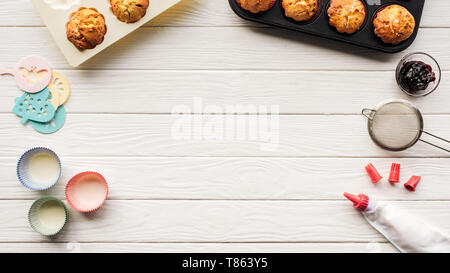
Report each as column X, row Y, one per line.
column 397, row 125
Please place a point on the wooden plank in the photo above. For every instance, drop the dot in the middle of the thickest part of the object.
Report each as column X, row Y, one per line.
column 74, row 247
column 216, row 49
column 107, row 91
column 197, row 13
column 159, row 135
column 242, row 178
column 214, row 221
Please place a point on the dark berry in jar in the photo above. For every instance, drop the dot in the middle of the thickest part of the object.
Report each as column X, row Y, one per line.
column 416, row 76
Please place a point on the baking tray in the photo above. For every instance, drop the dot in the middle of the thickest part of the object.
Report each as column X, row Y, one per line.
column 56, row 18
column 319, row 26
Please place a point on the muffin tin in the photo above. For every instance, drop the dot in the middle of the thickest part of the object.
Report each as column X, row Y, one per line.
column 319, row 25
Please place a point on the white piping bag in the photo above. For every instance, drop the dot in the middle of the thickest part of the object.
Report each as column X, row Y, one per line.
column 406, row 232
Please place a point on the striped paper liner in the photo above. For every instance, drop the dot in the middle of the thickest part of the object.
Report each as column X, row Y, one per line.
column 23, row 169
column 78, row 204
column 34, row 221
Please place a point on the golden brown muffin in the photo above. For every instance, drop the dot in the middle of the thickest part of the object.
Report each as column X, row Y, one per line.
column 86, row 28
column 347, row 16
column 256, row 6
column 301, row 10
column 394, row 24
column 129, row 11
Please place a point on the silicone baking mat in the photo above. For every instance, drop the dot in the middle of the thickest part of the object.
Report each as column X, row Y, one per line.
column 56, row 19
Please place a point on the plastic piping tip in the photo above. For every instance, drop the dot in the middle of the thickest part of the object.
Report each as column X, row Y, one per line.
column 373, row 173
column 394, row 175
column 354, row 198
column 360, row 202
column 412, row 183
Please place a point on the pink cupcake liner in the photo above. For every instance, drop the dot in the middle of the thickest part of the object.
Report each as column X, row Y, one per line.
column 77, row 200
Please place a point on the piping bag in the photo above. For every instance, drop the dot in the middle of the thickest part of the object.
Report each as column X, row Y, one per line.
column 406, row 232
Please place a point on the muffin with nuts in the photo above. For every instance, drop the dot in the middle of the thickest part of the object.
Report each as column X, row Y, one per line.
column 347, row 16
column 86, row 28
column 300, row 10
column 256, row 6
column 394, row 24
column 129, row 11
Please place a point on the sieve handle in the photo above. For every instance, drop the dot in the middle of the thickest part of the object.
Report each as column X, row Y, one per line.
column 434, row 145
column 368, row 113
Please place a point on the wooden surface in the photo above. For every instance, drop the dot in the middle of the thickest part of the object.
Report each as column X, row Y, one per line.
column 174, row 195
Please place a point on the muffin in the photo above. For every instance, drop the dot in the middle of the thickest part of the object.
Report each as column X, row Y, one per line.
column 256, row 6
column 347, row 16
column 301, row 10
column 129, row 11
column 394, row 24
column 86, row 28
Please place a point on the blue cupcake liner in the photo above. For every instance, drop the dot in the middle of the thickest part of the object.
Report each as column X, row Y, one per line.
column 22, row 169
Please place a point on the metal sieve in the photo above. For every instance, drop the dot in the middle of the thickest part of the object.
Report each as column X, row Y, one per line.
column 397, row 125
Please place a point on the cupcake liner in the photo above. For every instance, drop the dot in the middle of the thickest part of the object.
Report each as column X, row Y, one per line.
column 24, row 175
column 76, row 202
column 36, row 224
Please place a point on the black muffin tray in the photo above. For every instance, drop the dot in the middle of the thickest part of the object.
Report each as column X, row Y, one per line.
column 319, row 25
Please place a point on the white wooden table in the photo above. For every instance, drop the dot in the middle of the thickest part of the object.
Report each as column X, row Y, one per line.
column 213, row 196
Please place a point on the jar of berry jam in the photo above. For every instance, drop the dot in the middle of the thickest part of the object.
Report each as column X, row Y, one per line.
column 418, row 74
